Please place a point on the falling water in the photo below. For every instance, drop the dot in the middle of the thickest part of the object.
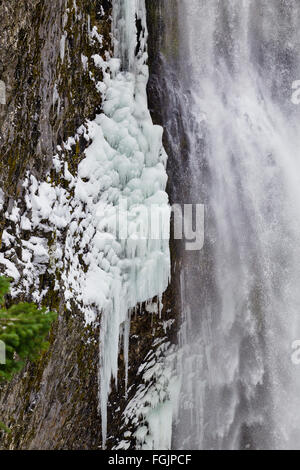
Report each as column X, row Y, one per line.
column 221, row 85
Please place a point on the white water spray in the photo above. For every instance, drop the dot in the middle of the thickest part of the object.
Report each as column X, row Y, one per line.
column 233, row 143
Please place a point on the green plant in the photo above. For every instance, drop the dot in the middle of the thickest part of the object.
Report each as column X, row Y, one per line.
column 23, row 331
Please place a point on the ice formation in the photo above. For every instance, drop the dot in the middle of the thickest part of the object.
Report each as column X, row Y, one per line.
column 152, row 409
column 106, row 228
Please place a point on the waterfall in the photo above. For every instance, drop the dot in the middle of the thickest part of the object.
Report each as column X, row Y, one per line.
column 221, row 86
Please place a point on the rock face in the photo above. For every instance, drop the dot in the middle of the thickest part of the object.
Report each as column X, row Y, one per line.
column 46, row 64
column 41, row 59
column 49, row 93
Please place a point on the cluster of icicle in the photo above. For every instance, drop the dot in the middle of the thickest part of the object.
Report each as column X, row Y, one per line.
column 120, row 181
column 144, row 267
